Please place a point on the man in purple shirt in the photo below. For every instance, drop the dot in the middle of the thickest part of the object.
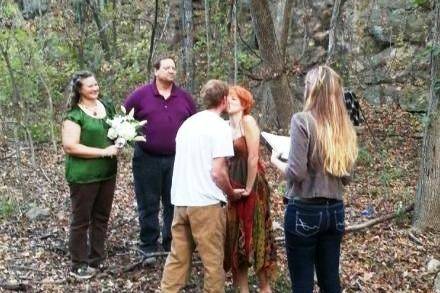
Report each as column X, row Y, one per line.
column 165, row 106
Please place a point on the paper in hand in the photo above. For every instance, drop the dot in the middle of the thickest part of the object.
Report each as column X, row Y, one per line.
column 277, row 143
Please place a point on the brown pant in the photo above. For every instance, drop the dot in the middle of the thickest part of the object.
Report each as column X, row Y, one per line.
column 203, row 228
column 91, row 206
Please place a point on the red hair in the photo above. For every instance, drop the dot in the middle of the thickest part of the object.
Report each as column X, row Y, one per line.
column 245, row 97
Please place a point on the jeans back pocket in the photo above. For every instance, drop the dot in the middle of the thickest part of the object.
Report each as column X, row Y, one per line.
column 307, row 224
column 340, row 220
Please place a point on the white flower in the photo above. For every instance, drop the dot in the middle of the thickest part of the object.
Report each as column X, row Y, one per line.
column 140, row 138
column 124, row 128
column 116, row 121
column 131, row 114
column 120, row 142
column 127, row 131
column 112, row 133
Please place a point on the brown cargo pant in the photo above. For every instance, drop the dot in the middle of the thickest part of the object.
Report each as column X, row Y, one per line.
column 203, row 228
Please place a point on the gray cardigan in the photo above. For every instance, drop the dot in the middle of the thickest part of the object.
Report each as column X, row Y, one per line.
column 305, row 173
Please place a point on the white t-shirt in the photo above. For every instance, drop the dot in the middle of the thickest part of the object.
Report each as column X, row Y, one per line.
column 201, row 138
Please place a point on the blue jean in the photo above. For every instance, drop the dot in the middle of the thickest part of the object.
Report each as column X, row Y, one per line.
column 313, row 241
column 152, row 184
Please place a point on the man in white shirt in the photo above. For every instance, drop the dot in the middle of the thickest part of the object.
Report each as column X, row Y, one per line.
column 199, row 192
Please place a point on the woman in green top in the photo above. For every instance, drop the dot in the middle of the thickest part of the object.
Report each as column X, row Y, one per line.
column 90, row 171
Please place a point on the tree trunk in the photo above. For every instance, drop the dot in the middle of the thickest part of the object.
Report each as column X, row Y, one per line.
column 32, row 8
column 305, row 21
column 332, row 31
column 30, row 143
column 165, row 25
column 3, row 134
column 273, row 62
column 18, row 157
column 284, row 36
column 101, row 29
column 79, row 44
column 153, row 36
column 427, row 206
column 208, row 39
column 51, row 112
column 187, row 44
column 234, row 25
column 114, row 28
column 15, row 92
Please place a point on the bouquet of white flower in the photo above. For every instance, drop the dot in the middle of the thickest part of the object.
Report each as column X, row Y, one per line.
column 124, row 128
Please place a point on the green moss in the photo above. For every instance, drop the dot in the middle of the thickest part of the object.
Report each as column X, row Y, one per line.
column 364, row 157
column 390, row 174
column 7, row 208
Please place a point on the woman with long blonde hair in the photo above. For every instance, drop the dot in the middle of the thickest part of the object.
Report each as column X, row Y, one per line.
column 323, row 152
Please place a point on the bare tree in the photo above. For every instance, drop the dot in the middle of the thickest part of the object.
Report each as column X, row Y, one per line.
column 427, row 206
column 333, row 27
column 187, row 43
column 32, row 8
column 234, row 24
column 101, row 28
column 273, row 62
column 153, row 36
column 114, row 27
column 287, row 16
column 16, row 96
column 51, row 111
column 17, row 101
column 208, row 38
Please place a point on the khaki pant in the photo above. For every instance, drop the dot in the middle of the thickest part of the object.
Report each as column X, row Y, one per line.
column 203, row 228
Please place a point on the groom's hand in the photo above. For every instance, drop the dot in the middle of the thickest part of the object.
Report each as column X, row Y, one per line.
column 246, row 192
column 236, row 194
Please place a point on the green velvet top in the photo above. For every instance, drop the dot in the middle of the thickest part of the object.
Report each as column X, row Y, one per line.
column 93, row 134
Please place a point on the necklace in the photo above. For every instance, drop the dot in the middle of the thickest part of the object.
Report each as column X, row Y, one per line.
column 93, row 110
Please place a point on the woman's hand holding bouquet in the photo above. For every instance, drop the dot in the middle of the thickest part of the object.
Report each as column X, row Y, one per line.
column 124, row 128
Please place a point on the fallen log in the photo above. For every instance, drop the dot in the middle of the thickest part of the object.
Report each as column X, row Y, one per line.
column 142, row 261
column 16, row 286
column 372, row 222
column 378, row 220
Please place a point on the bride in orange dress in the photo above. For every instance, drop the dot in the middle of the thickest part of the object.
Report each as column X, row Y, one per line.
column 249, row 238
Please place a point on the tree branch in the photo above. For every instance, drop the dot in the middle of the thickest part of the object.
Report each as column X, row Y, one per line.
column 246, row 44
column 153, row 36
column 378, row 220
column 287, row 15
column 381, row 219
column 16, row 286
column 101, row 29
column 332, row 31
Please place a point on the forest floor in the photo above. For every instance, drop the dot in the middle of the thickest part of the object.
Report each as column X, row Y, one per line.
column 388, row 257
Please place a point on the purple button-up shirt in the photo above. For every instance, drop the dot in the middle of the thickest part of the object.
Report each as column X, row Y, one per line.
column 164, row 116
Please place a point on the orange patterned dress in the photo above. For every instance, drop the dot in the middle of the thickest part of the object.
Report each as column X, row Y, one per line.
column 249, row 237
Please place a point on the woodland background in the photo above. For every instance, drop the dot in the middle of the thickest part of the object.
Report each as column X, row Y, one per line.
column 386, row 50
